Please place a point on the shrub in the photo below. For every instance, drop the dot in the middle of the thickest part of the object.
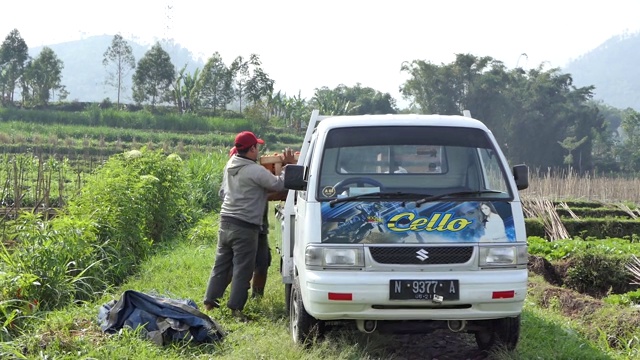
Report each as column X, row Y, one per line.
column 626, row 299
column 598, row 274
column 205, row 171
column 136, row 199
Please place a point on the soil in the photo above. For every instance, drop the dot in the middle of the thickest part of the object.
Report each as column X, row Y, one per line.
column 572, row 303
column 438, row 345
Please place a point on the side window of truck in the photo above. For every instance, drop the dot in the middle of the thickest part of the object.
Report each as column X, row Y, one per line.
column 307, row 165
column 493, row 174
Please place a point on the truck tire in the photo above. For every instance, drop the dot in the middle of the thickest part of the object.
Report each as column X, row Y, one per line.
column 502, row 332
column 304, row 328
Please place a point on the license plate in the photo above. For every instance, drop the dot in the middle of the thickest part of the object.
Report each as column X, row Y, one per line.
column 423, row 289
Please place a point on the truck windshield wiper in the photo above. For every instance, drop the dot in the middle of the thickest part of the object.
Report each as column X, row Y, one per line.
column 415, row 204
column 377, row 195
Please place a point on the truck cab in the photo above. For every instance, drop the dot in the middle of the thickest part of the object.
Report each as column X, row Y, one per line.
column 404, row 223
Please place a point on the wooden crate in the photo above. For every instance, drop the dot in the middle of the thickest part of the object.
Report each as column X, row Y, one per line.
column 274, row 162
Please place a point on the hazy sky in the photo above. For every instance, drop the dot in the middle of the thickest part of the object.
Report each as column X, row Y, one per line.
column 309, row 44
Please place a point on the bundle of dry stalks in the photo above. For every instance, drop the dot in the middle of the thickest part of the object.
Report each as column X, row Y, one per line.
column 543, row 209
column 568, row 184
column 628, row 210
column 571, row 213
column 634, row 267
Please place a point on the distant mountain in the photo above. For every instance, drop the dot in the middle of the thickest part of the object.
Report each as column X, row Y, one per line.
column 613, row 69
column 84, row 75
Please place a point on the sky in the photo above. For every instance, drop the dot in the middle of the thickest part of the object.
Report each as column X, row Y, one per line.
column 307, row 44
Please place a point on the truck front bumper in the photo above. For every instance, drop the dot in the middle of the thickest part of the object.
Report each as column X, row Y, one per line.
column 365, row 295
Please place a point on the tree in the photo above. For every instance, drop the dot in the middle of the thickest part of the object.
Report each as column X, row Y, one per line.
column 368, row 100
column 332, row 102
column 119, row 60
column 217, row 83
column 259, row 85
column 549, row 110
column 532, row 114
column 153, row 77
column 628, row 151
column 570, row 144
column 14, row 54
column 296, row 111
column 240, row 74
column 186, row 90
column 42, row 77
column 446, row 89
column 357, row 100
column 250, row 79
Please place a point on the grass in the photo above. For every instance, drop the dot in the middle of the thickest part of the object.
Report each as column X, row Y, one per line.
column 180, row 270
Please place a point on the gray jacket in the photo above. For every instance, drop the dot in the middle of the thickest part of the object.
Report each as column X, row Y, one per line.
column 244, row 189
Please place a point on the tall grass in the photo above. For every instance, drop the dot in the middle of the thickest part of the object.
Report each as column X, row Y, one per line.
column 143, row 119
column 570, row 185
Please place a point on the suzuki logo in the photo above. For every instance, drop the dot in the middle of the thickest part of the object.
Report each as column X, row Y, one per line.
column 422, row 254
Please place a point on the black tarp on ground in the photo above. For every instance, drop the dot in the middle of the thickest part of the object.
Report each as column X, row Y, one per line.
column 164, row 320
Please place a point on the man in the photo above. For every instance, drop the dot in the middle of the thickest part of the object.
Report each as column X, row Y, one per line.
column 246, row 185
column 263, row 254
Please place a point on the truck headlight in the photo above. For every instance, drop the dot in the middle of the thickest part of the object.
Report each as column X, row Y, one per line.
column 503, row 255
column 334, row 256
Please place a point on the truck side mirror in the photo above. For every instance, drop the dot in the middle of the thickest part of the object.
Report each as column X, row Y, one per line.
column 521, row 176
column 294, row 177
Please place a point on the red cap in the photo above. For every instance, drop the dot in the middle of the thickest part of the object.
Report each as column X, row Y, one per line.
column 233, row 151
column 246, row 139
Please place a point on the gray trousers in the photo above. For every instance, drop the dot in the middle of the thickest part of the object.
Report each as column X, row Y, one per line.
column 236, row 254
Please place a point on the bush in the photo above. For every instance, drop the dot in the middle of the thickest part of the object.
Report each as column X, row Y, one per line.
column 205, row 172
column 626, row 299
column 135, row 200
column 597, row 274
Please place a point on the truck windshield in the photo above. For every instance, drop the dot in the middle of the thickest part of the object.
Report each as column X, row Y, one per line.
column 412, row 159
column 413, row 184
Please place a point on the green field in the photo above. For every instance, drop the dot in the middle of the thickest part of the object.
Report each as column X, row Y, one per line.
column 147, row 220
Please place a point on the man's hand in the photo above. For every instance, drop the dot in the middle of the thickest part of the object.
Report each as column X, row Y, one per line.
column 288, row 157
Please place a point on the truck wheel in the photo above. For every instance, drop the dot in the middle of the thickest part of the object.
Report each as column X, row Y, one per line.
column 502, row 332
column 304, row 327
column 287, row 298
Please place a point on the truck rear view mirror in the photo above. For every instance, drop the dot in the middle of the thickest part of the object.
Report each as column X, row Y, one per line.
column 521, row 175
column 294, row 177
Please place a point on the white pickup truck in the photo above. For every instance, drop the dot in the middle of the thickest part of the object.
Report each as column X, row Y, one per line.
column 404, row 224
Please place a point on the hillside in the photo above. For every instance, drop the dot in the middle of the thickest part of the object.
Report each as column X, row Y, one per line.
column 612, row 68
column 84, row 75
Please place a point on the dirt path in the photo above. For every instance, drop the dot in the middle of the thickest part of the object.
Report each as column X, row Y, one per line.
column 438, row 345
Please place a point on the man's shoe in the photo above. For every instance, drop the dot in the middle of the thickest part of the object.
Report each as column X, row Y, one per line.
column 257, row 292
column 210, row 305
column 258, row 283
column 239, row 315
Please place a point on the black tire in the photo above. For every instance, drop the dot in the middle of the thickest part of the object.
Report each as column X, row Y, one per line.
column 287, row 298
column 304, row 328
column 501, row 333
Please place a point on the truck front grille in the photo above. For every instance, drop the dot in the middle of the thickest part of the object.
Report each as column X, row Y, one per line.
column 421, row 255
